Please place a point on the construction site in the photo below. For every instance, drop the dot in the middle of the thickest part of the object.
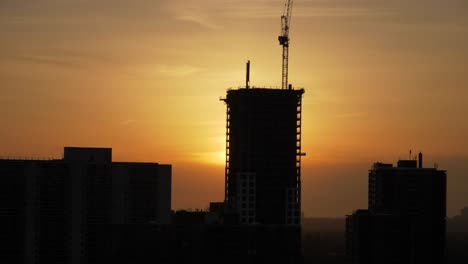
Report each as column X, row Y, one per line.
column 263, row 147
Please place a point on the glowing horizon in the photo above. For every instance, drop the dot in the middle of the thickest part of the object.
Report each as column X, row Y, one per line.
column 145, row 78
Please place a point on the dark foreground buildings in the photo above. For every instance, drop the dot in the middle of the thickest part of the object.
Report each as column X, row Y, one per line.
column 85, row 208
column 259, row 220
column 406, row 218
column 54, row 211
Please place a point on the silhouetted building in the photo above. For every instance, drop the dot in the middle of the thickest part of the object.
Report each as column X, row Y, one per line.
column 459, row 223
column 182, row 243
column 406, row 219
column 457, row 238
column 55, row 207
column 464, row 212
column 263, row 155
column 184, row 217
column 216, row 207
column 357, row 236
column 214, row 216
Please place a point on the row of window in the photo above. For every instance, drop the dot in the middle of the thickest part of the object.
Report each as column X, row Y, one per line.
column 251, row 198
column 246, row 220
column 251, row 184
column 248, row 205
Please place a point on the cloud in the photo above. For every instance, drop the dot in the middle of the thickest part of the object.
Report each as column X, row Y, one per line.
column 213, row 157
column 199, row 20
column 350, row 115
column 214, row 14
column 128, row 122
column 62, row 58
column 49, row 60
column 177, row 70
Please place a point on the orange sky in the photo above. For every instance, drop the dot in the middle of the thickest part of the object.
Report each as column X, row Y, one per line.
column 145, row 77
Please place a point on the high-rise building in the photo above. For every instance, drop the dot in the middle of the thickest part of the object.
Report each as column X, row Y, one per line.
column 406, row 219
column 263, row 155
column 56, row 208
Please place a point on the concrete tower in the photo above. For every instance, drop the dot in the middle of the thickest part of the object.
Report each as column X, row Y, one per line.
column 263, row 155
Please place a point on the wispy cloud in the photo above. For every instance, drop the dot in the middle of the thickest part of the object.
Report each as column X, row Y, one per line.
column 213, row 14
column 202, row 21
column 350, row 115
column 337, row 12
column 61, row 58
column 177, row 70
column 49, row 60
column 218, row 11
column 213, row 157
column 128, row 122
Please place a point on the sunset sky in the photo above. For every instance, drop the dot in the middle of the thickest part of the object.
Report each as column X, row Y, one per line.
column 145, row 77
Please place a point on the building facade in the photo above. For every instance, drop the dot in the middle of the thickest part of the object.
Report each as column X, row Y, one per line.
column 55, row 208
column 406, row 216
column 263, row 155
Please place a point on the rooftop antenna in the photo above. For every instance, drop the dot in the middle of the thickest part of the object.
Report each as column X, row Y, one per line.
column 420, row 160
column 247, row 75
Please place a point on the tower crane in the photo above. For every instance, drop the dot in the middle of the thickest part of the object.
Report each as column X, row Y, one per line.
column 284, row 40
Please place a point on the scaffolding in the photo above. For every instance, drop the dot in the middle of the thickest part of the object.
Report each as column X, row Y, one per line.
column 226, row 170
column 263, row 136
column 299, row 153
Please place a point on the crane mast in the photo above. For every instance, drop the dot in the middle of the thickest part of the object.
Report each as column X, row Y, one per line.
column 284, row 41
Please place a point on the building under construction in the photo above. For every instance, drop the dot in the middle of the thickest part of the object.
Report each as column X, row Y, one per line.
column 263, row 155
column 263, row 147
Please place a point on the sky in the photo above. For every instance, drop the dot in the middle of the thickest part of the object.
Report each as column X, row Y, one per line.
column 145, row 78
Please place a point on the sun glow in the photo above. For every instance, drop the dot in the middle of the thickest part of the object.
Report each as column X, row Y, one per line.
column 215, row 157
